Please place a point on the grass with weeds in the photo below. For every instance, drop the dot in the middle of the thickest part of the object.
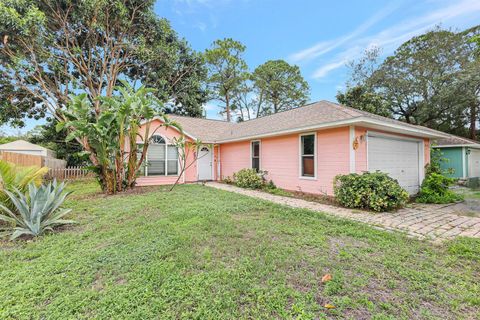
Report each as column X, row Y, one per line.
column 202, row 253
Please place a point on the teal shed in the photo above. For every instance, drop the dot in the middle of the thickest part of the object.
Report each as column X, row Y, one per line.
column 463, row 156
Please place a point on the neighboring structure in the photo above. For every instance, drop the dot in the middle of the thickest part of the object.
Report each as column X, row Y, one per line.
column 25, row 147
column 301, row 149
column 463, row 156
column 24, row 153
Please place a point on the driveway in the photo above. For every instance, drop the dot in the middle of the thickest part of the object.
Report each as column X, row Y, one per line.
column 431, row 222
column 471, row 206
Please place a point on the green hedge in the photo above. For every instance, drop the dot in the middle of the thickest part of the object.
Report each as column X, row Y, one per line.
column 435, row 189
column 370, row 190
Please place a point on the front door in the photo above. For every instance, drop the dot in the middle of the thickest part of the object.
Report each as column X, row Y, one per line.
column 205, row 163
column 474, row 162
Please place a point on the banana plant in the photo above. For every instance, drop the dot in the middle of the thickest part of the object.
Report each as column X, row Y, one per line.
column 108, row 132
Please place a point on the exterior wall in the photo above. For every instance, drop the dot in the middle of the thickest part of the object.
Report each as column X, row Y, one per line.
column 191, row 173
column 156, row 128
column 426, row 150
column 361, row 152
column 216, row 162
column 280, row 156
column 361, row 158
column 233, row 157
column 168, row 134
column 455, row 162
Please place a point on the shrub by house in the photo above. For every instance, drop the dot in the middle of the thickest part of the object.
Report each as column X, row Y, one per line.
column 371, row 190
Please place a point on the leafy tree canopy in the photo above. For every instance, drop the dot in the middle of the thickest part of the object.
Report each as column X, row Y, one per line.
column 52, row 48
column 280, row 85
column 227, row 70
column 431, row 80
column 361, row 98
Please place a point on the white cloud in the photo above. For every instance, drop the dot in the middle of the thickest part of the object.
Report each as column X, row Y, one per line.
column 397, row 34
column 325, row 69
column 327, row 46
column 201, row 25
column 390, row 38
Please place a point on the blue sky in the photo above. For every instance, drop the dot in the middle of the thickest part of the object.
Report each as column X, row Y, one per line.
column 319, row 36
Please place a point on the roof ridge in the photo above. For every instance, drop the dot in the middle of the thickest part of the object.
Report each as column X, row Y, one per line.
column 463, row 138
column 198, row 118
column 280, row 112
column 341, row 107
column 373, row 115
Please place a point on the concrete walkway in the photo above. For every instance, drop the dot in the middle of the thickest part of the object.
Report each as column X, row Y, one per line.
column 432, row 222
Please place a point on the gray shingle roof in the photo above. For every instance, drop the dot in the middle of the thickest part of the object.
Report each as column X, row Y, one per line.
column 21, row 145
column 456, row 140
column 318, row 113
column 204, row 129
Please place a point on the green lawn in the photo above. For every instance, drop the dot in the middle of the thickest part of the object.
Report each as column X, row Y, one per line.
column 203, row 253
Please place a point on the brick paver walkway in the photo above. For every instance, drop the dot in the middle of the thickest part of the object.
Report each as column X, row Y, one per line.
column 432, row 222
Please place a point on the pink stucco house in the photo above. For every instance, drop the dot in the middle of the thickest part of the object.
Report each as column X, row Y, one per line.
column 301, row 149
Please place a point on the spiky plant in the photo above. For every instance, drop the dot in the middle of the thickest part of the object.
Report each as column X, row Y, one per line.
column 36, row 211
column 14, row 177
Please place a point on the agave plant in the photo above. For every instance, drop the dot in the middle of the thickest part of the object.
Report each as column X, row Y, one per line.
column 36, row 211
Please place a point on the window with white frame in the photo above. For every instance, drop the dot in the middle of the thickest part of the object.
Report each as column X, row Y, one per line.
column 162, row 159
column 307, row 155
column 256, row 155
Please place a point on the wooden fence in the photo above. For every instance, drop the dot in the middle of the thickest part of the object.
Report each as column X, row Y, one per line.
column 21, row 159
column 30, row 160
column 54, row 163
column 57, row 167
column 69, row 173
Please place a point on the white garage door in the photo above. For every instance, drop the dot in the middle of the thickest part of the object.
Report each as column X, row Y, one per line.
column 398, row 158
column 474, row 163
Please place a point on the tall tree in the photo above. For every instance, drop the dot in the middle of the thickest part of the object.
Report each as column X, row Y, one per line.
column 417, row 79
column 244, row 103
column 361, row 98
column 227, row 71
column 430, row 80
column 52, row 48
column 469, row 79
column 280, row 85
column 363, row 68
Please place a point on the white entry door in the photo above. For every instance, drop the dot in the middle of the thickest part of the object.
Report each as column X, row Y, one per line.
column 205, row 157
column 474, row 163
column 399, row 158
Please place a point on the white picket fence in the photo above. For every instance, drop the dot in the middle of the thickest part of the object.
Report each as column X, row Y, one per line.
column 69, row 173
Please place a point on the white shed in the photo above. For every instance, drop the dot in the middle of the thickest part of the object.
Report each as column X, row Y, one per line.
column 25, row 147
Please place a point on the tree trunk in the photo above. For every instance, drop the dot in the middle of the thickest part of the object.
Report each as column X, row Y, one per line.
column 131, row 169
column 227, row 106
column 473, row 121
column 119, row 168
column 107, row 180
